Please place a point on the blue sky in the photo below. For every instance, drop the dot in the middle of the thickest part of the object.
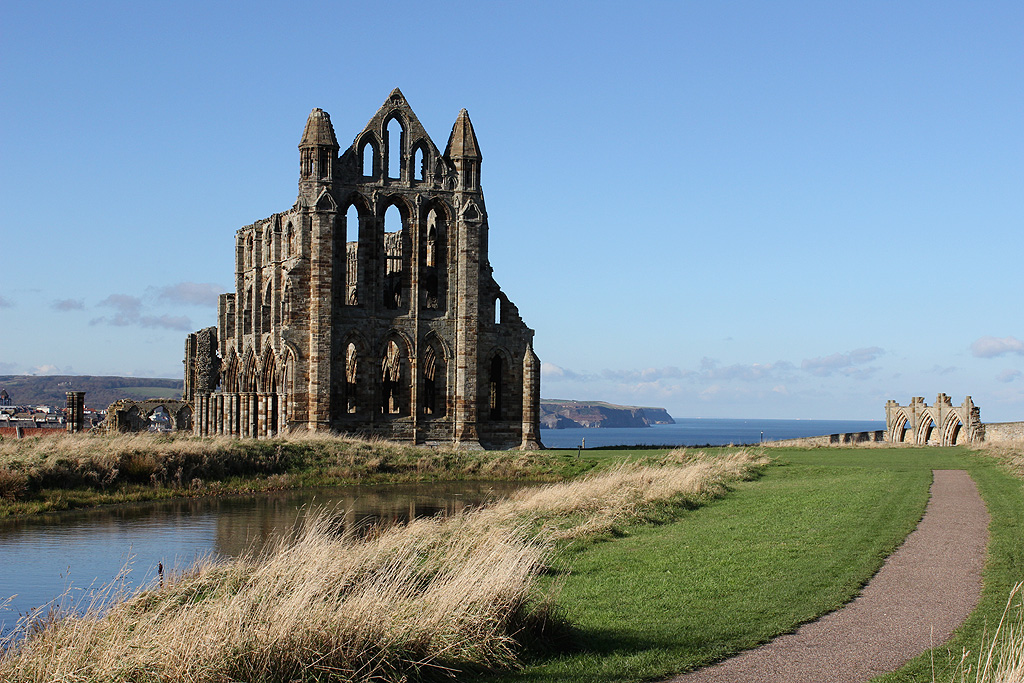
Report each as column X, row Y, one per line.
column 731, row 209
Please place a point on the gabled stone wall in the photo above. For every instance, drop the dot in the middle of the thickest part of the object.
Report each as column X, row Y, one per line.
column 941, row 423
column 397, row 331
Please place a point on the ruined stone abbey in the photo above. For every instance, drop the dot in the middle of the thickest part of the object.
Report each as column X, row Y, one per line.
column 369, row 306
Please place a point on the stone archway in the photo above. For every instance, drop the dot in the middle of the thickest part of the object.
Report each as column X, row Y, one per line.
column 126, row 415
column 940, row 424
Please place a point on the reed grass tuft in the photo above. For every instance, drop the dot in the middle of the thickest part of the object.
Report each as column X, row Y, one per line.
column 37, row 473
column 1000, row 658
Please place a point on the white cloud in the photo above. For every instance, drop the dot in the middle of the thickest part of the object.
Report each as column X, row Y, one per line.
column 991, row 347
column 68, row 305
column 1008, row 375
column 643, row 375
column 555, row 373
column 844, row 363
column 128, row 311
column 169, row 322
column 190, row 293
column 746, row 372
column 5, row 303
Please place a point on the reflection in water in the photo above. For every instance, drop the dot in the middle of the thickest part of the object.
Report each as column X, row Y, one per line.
column 42, row 556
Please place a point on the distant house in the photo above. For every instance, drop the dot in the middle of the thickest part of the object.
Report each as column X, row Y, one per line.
column 5, row 399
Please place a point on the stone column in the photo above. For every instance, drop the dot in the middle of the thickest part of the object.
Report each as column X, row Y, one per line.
column 282, row 413
column 205, row 402
column 254, row 416
column 225, row 414
column 321, row 300
column 467, row 306
column 243, row 399
column 531, row 401
column 197, row 415
column 75, row 405
column 261, row 424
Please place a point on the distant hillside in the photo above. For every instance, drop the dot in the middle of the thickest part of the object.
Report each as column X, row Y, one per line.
column 100, row 392
column 559, row 414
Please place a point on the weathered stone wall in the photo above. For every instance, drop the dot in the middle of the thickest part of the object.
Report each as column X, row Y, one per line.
column 126, row 415
column 398, row 331
column 940, row 424
column 836, row 440
column 1004, row 432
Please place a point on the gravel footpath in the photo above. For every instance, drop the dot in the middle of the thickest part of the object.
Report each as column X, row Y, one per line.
column 920, row 595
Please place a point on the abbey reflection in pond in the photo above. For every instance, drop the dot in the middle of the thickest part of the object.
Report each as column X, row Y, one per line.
column 370, row 306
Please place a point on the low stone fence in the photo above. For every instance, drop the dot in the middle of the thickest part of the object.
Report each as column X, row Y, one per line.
column 849, row 439
column 1004, row 432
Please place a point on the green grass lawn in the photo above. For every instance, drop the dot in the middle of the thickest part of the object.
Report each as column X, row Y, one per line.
column 773, row 554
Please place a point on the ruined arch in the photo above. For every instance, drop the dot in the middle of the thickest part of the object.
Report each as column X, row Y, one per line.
column 369, row 155
column 247, row 311
column 396, row 245
column 230, row 377
column 952, row 430
column 127, row 415
column 267, row 306
column 898, row 430
column 288, row 383
column 436, row 216
column 248, row 376
column 349, row 249
column 420, row 161
column 941, row 423
column 267, row 382
column 394, row 150
column 433, row 370
column 498, row 375
column 395, row 373
column 350, row 377
column 926, row 428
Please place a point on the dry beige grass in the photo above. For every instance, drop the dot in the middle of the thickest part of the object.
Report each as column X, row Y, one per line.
column 1001, row 658
column 418, row 601
column 596, row 503
column 35, row 473
column 1011, row 455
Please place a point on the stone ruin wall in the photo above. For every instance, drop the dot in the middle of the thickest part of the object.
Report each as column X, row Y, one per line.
column 939, row 424
column 1004, row 432
column 356, row 326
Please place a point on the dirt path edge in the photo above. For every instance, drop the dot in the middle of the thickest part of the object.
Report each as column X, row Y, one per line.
column 922, row 593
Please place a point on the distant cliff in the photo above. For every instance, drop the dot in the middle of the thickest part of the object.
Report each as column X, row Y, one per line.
column 100, row 392
column 557, row 414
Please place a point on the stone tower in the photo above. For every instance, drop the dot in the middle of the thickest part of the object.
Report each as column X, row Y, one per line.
column 342, row 320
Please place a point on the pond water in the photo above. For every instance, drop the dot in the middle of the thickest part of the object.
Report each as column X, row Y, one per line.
column 43, row 557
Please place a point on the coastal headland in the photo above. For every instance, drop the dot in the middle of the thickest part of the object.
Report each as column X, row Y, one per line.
column 565, row 414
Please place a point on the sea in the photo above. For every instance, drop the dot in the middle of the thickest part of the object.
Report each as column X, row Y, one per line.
column 694, row 431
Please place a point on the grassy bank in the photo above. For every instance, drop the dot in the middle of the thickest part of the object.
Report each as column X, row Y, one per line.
column 776, row 553
column 80, row 470
column 423, row 600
